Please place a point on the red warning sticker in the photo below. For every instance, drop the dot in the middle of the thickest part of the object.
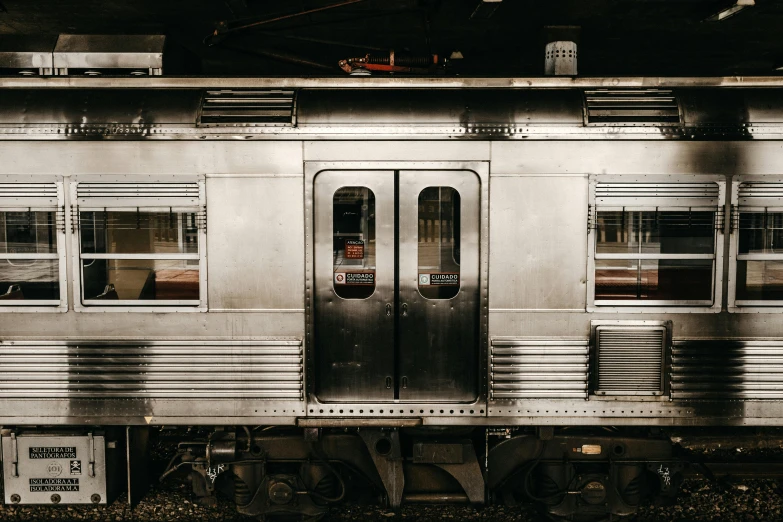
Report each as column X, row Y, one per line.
column 354, row 249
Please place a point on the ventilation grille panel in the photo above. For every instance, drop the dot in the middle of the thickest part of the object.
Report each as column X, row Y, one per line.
column 28, row 194
column 99, row 195
column 727, row 369
column 615, row 193
column 630, row 360
column 265, row 107
column 619, row 106
column 538, row 369
column 125, row 370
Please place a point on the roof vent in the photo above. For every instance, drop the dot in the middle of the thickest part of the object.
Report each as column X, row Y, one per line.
column 26, row 55
column 258, row 107
column 93, row 55
column 613, row 106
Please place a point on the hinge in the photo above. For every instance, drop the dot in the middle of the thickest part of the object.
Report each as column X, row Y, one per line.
column 91, row 455
column 14, row 456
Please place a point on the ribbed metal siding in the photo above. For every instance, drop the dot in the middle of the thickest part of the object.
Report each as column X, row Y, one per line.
column 761, row 190
column 530, row 369
column 28, row 190
column 190, row 191
column 170, row 369
column 262, row 107
column 608, row 192
column 613, row 106
column 727, row 370
column 630, row 360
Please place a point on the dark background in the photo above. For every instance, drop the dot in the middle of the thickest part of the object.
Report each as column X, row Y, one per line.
column 616, row 37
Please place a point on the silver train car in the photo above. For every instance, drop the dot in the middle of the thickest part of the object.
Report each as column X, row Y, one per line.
column 438, row 289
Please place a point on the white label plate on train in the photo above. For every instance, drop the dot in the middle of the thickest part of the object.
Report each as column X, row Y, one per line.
column 354, row 278
column 53, row 484
column 439, row 279
column 58, row 452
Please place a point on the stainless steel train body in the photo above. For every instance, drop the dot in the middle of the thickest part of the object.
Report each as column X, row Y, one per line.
column 392, row 252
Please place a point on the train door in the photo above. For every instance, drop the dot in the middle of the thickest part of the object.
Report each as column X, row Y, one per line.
column 396, row 266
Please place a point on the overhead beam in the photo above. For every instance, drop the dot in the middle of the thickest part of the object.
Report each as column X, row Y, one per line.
column 485, row 9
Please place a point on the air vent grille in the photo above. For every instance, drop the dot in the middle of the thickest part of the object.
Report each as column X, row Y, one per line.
column 163, row 369
column 537, row 369
column 630, row 360
column 617, row 106
column 28, row 194
column 727, row 369
column 264, row 107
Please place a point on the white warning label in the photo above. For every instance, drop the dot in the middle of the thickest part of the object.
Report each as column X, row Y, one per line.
column 53, row 484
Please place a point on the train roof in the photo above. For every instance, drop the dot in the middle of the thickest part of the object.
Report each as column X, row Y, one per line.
column 400, row 107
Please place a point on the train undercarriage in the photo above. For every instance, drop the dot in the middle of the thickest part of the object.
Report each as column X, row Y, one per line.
column 290, row 473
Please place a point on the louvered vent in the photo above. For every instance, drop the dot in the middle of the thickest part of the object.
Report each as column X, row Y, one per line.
column 28, row 194
column 163, row 369
column 530, row 369
column 610, row 193
column 618, row 106
column 138, row 190
column 755, row 193
column 263, row 107
column 629, row 360
column 727, row 369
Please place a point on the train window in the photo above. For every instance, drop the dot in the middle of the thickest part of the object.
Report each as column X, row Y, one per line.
column 137, row 257
column 353, row 240
column 439, row 243
column 759, row 257
column 29, row 264
column 655, row 256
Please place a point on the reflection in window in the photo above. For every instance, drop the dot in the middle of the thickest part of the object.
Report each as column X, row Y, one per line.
column 760, row 256
column 655, row 256
column 29, row 267
column 353, row 242
column 439, row 242
column 114, row 266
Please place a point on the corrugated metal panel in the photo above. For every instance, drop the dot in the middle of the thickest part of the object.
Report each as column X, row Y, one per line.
column 171, row 369
column 630, row 360
column 184, row 191
column 613, row 106
column 727, row 369
column 262, row 107
column 530, row 369
column 28, row 194
column 705, row 194
column 761, row 190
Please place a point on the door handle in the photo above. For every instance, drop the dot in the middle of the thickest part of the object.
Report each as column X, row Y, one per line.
column 388, row 309
column 405, row 309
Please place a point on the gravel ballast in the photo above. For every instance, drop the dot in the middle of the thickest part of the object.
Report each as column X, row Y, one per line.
column 699, row 500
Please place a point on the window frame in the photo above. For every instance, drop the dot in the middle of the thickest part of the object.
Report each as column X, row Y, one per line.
column 142, row 204
column 661, row 204
column 40, row 204
column 772, row 204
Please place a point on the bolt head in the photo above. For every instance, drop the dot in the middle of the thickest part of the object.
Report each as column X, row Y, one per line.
column 55, row 498
column 95, row 498
column 16, row 498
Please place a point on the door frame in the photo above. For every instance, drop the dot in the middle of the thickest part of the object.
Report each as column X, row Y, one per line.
column 478, row 408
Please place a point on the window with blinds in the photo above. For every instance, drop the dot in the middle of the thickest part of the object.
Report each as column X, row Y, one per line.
column 31, row 245
column 140, row 244
column 655, row 244
column 758, row 235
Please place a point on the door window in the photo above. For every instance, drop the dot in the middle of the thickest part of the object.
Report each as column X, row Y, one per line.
column 353, row 242
column 439, row 243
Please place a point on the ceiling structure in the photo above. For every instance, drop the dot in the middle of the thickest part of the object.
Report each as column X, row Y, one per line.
column 495, row 38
